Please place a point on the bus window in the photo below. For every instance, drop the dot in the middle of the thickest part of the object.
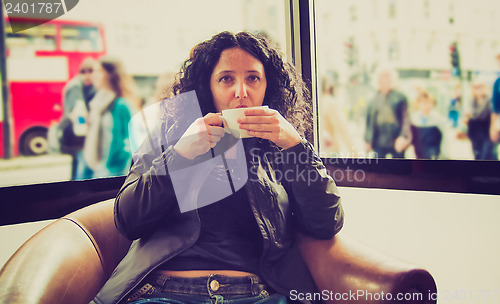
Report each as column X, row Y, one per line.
column 37, row 71
column 80, row 39
column 38, row 38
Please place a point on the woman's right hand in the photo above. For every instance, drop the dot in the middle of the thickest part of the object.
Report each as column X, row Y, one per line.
column 202, row 135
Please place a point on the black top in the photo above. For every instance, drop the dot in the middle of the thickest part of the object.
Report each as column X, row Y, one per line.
column 229, row 239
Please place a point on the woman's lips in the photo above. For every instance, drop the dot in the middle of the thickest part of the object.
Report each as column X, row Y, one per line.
column 241, row 106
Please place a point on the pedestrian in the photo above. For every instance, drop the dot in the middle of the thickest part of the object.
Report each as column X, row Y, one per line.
column 150, row 112
column 107, row 148
column 77, row 94
column 335, row 135
column 479, row 122
column 495, row 107
column 388, row 131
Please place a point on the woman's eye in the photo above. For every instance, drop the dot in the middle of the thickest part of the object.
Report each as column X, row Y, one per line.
column 253, row 78
column 225, row 79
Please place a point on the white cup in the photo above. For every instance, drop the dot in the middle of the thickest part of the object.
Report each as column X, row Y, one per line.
column 230, row 119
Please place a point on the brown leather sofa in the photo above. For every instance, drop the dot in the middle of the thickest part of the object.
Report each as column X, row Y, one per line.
column 69, row 260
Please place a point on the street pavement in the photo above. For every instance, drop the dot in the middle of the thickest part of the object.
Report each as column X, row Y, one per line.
column 26, row 170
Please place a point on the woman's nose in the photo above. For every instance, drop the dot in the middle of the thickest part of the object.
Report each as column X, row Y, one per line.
column 241, row 90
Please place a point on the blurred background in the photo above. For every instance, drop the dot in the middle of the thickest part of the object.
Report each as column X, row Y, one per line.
column 438, row 59
column 151, row 39
column 439, row 55
column 439, row 49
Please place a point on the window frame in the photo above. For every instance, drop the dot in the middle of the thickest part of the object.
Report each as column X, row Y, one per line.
column 457, row 176
column 26, row 203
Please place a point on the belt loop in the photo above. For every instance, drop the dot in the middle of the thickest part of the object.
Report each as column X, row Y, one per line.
column 161, row 280
column 208, row 285
column 253, row 286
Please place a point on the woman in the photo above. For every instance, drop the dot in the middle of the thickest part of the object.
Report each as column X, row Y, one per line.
column 241, row 248
column 107, row 149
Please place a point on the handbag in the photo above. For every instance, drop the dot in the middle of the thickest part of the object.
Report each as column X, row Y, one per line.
column 68, row 141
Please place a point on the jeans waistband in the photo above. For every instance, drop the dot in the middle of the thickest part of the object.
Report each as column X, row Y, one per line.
column 211, row 285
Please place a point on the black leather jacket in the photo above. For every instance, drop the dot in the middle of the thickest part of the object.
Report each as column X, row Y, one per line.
column 146, row 211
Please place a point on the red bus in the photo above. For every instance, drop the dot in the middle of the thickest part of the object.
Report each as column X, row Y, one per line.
column 40, row 61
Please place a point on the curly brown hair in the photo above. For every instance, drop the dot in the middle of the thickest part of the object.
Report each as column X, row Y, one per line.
column 286, row 92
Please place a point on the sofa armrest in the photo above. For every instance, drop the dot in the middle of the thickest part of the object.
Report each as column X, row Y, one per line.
column 66, row 262
column 97, row 221
column 59, row 264
column 356, row 273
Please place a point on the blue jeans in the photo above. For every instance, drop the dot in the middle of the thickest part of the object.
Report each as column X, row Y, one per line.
column 81, row 170
column 214, row 289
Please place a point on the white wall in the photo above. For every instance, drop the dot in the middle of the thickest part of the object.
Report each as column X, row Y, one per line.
column 454, row 236
column 13, row 236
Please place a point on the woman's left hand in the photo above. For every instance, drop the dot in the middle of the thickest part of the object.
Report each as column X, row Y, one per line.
column 269, row 124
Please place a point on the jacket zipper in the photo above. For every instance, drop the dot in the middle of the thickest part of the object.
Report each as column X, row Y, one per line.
column 167, row 258
column 190, row 244
column 256, row 212
column 163, row 261
column 265, row 244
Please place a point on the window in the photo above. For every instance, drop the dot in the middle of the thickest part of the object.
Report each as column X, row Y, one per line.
column 151, row 39
column 38, row 38
column 393, row 10
column 352, row 43
column 426, row 8
column 80, row 39
column 357, row 121
column 347, row 53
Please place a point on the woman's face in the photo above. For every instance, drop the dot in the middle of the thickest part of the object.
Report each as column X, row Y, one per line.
column 99, row 76
column 238, row 80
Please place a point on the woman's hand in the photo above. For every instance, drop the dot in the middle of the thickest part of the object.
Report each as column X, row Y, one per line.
column 269, row 124
column 202, row 135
